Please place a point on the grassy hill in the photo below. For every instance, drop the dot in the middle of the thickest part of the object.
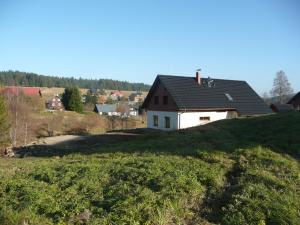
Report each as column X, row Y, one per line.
column 240, row 171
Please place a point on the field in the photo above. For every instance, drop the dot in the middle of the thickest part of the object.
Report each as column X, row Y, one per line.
column 240, row 171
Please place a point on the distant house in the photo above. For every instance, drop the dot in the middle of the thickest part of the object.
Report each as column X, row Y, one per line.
column 93, row 91
column 16, row 90
column 133, row 110
column 116, row 95
column 176, row 102
column 128, row 109
column 54, row 104
column 107, row 109
column 136, row 97
column 279, row 108
column 295, row 101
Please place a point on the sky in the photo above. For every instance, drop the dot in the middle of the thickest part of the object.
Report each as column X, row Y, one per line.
column 135, row 40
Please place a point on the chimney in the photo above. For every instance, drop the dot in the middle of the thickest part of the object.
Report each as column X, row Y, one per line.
column 198, row 76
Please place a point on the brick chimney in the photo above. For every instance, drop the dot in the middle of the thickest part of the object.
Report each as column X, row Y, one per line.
column 198, row 76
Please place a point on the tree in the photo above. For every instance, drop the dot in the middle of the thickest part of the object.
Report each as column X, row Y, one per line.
column 281, row 87
column 4, row 124
column 91, row 99
column 71, row 99
column 266, row 97
column 109, row 100
column 102, row 92
column 34, row 80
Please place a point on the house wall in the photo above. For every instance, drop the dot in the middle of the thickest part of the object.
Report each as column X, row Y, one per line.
column 296, row 102
column 161, row 91
column 181, row 120
column 161, row 120
column 191, row 119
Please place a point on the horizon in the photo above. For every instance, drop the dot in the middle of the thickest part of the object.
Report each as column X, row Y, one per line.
column 135, row 41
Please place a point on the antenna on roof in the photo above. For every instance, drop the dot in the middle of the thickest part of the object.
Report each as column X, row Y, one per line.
column 210, row 82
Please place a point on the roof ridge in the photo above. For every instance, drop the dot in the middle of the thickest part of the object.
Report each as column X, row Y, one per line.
column 180, row 76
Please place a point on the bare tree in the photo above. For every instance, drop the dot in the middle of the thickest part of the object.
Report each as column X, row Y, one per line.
column 266, row 97
column 281, row 87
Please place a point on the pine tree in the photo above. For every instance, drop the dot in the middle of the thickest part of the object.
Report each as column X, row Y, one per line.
column 4, row 124
column 71, row 99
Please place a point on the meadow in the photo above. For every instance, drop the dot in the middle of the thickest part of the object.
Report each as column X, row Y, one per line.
column 239, row 171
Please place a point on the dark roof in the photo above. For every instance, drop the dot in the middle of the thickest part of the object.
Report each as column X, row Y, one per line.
column 106, row 108
column 282, row 107
column 295, row 96
column 229, row 94
column 93, row 90
column 135, row 94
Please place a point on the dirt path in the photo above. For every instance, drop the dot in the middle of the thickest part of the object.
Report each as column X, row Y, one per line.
column 67, row 140
column 67, row 144
column 58, row 139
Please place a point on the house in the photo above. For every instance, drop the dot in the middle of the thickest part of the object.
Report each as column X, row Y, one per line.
column 107, row 109
column 54, row 104
column 93, row 91
column 295, row 101
column 116, row 95
column 136, row 97
column 16, row 90
column 133, row 110
column 176, row 102
column 128, row 109
column 279, row 108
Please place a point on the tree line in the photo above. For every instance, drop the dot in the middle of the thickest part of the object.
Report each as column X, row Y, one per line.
column 10, row 78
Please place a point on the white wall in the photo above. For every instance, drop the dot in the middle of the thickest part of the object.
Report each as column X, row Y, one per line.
column 161, row 120
column 181, row 120
column 191, row 119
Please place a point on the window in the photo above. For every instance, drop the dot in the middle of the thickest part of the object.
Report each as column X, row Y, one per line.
column 205, row 118
column 167, row 122
column 155, row 120
column 229, row 97
column 165, row 100
column 156, row 100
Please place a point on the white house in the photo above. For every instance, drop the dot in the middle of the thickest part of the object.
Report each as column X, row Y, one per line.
column 176, row 102
column 107, row 109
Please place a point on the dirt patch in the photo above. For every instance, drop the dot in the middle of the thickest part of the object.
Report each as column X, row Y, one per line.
column 67, row 140
column 67, row 144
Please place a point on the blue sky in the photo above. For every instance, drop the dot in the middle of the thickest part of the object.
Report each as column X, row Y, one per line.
column 135, row 40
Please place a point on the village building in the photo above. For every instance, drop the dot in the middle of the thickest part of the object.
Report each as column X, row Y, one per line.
column 17, row 90
column 54, row 104
column 176, row 102
column 133, row 111
column 136, row 97
column 280, row 108
column 129, row 109
column 107, row 109
column 116, row 95
column 93, row 91
column 295, row 101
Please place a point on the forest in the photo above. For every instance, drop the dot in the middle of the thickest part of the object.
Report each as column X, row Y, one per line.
column 10, row 78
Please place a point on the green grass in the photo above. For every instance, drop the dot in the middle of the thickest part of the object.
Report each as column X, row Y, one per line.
column 241, row 171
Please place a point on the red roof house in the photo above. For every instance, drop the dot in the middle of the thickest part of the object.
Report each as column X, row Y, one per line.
column 15, row 90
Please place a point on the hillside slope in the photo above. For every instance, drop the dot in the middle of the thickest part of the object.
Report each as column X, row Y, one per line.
column 241, row 171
